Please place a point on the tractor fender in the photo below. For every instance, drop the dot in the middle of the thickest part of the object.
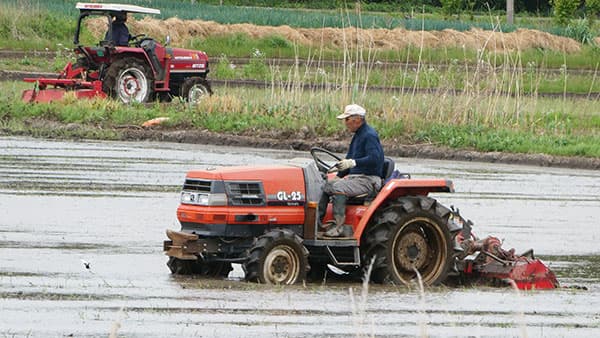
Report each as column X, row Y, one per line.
column 124, row 52
column 398, row 188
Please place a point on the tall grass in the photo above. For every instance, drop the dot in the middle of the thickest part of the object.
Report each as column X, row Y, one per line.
column 359, row 308
column 497, row 109
column 528, row 125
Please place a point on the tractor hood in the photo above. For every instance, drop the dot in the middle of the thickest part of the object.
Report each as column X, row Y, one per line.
column 284, row 185
column 276, row 185
column 245, row 172
column 259, row 195
column 188, row 61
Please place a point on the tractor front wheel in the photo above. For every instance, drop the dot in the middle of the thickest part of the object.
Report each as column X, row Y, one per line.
column 194, row 89
column 129, row 80
column 410, row 236
column 277, row 257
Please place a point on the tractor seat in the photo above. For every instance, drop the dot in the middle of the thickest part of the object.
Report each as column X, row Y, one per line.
column 388, row 171
column 388, row 168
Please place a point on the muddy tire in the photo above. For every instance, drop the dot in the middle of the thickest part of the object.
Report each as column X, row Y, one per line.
column 277, row 257
column 217, row 269
column 129, row 80
column 318, row 272
column 206, row 269
column 410, row 233
column 194, row 89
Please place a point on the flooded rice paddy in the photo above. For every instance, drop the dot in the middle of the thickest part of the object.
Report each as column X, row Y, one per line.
column 63, row 203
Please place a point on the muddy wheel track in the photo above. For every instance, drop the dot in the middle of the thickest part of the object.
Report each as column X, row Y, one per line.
column 19, row 75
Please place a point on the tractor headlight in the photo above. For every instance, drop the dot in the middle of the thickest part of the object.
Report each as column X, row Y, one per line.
column 188, row 197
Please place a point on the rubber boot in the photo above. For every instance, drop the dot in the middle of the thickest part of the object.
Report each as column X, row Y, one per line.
column 323, row 206
column 339, row 209
column 323, row 226
column 339, row 214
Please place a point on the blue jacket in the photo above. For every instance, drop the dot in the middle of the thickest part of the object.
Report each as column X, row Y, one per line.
column 120, row 34
column 366, row 150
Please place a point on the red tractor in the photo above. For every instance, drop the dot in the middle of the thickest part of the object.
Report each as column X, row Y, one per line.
column 265, row 218
column 140, row 72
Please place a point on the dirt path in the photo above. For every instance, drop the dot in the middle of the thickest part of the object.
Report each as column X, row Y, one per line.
column 301, row 141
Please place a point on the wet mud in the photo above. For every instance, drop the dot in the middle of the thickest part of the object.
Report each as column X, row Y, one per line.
column 66, row 203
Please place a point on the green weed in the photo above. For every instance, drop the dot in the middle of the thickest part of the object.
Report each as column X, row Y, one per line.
column 224, row 69
column 256, row 68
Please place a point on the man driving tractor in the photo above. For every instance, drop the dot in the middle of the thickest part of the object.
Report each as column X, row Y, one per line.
column 120, row 32
column 360, row 173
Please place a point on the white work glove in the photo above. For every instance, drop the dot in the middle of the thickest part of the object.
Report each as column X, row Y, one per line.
column 345, row 164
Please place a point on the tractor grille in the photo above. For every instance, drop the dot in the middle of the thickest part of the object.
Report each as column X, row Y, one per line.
column 245, row 188
column 245, row 193
column 197, row 185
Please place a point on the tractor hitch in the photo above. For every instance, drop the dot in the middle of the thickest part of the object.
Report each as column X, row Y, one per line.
column 182, row 245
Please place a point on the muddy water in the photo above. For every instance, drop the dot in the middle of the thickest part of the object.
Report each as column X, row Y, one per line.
column 62, row 203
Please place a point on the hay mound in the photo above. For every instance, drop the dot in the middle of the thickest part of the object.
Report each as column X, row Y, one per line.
column 181, row 31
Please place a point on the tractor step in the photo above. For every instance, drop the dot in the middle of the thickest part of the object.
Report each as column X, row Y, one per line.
column 330, row 246
column 336, row 262
column 337, row 242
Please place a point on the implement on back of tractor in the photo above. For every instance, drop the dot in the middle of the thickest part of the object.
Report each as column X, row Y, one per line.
column 142, row 71
column 265, row 217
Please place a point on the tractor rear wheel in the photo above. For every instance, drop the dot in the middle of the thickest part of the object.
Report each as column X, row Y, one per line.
column 277, row 257
column 198, row 267
column 194, row 89
column 129, row 80
column 410, row 235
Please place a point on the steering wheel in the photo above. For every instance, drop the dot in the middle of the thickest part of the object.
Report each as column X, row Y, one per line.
column 137, row 39
column 318, row 154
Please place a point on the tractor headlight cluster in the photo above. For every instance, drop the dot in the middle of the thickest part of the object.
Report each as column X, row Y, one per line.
column 197, row 198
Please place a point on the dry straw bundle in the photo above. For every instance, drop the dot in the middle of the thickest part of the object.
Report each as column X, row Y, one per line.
column 350, row 37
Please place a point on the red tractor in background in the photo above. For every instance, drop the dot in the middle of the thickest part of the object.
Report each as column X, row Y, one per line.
column 265, row 218
column 141, row 72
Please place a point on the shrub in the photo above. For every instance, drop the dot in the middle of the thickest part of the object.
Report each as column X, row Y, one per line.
column 593, row 6
column 277, row 41
column 564, row 10
column 451, row 7
column 225, row 69
column 256, row 68
column 580, row 30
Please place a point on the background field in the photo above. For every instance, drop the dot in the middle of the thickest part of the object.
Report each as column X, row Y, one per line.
column 468, row 89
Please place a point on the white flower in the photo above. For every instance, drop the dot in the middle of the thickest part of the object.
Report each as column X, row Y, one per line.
column 257, row 53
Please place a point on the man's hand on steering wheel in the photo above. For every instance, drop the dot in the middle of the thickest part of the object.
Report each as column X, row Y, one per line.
column 323, row 166
column 136, row 39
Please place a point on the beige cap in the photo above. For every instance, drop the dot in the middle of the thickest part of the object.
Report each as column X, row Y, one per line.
column 351, row 110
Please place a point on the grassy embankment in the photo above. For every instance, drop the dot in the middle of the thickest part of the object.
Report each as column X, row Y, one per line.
column 482, row 117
